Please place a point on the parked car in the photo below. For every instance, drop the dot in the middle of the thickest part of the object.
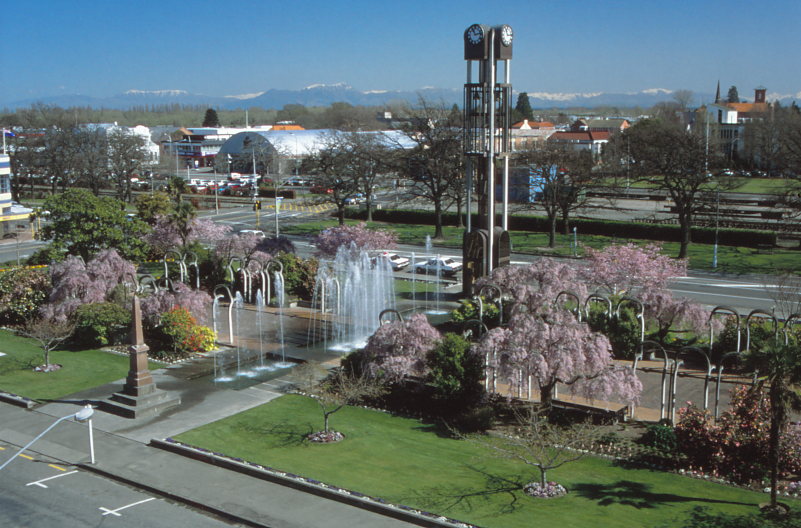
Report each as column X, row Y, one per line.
column 355, row 199
column 256, row 232
column 319, row 189
column 395, row 261
column 446, row 266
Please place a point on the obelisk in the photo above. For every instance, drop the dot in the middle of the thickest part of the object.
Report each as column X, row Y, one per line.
column 139, row 381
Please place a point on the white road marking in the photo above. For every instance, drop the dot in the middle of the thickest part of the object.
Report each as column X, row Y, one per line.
column 106, row 511
column 39, row 482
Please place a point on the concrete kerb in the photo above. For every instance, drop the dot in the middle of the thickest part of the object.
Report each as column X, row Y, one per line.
column 171, row 496
column 320, row 489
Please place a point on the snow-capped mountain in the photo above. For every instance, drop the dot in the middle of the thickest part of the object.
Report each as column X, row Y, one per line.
column 324, row 95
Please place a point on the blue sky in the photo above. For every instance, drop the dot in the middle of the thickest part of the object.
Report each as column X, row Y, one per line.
column 227, row 48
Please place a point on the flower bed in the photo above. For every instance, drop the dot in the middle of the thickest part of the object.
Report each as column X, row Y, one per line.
column 550, row 491
column 47, row 368
column 322, row 437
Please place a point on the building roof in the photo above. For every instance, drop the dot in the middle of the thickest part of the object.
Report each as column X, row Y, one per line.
column 587, row 137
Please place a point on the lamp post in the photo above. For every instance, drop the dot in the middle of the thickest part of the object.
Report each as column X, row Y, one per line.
column 81, row 416
column 296, row 154
column 717, row 216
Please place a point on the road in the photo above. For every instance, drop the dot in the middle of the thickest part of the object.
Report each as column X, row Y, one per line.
column 43, row 493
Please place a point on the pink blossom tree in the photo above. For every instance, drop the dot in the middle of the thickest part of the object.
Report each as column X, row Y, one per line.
column 399, row 348
column 76, row 283
column 169, row 233
column 537, row 284
column 358, row 237
column 162, row 301
column 644, row 274
column 553, row 347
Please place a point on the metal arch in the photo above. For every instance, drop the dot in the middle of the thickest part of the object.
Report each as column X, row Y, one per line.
column 640, row 316
column 230, row 269
column 168, row 285
column 178, row 259
column 260, row 271
column 723, row 309
column 676, row 364
column 709, row 368
column 748, row 326
column 388, row 311
column 279, row 271
column 135, row 282
column 216, row 296
column 498, row 299
column 575, row 296
column 596, row 297
column 788, row 326
column 146, row 281
column 720, row 375
column 482, row 328
column 193, row 263
column 480, row 307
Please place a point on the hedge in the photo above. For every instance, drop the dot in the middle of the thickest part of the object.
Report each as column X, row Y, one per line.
column 615, row 229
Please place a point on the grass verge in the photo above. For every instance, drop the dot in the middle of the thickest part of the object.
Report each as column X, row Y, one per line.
column 730, row 259
column 80, row 370
column 405, row 461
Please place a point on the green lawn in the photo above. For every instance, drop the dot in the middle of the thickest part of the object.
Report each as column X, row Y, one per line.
column 731, row 259
column 80, row 370
column 420, row 465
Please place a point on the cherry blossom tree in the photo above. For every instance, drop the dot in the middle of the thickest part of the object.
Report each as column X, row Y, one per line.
column 399, row 348
column 553, row 347
column 536, row 284
column 170, row 234
column 358, row 237
column 644, row 274
column 49, row 334
column 76, row 283
column 162, row 301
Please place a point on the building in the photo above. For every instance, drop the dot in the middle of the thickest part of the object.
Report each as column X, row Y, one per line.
column 730, row 119
column 14, row 217
column 581, row 135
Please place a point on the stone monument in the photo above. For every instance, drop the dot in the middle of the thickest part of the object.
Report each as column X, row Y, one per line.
column 139, row 396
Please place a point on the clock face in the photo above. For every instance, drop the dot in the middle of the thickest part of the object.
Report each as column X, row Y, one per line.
column 506, row 35
column 474, row 34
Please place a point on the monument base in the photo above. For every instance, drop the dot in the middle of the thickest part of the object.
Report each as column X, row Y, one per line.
column 139, row 403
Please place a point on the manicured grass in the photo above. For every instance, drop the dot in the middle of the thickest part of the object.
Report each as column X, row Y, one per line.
column 421, row 465
column 731, row 259
column 80, row 370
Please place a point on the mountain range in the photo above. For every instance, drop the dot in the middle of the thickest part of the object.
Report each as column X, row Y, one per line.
column 324, row 95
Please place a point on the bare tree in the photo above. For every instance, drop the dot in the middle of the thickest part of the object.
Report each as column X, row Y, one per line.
column 538, row 442
column 683, row 98
column 435, row 164
column 48, row 333
column 127, row 155
column 784, row 289
column 334, row 390
column 562, row 176
column 675, row 161
column 90, row 162
column 339, row 170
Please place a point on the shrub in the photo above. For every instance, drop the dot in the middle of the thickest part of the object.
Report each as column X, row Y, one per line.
column 475, row 420
column 623, row 332
column 660, row 437
column 98, row 324
column 177, row 326
column 299, row 275
column 455, row 373
column 736, row 446
column 469, row 309
column 22, row 292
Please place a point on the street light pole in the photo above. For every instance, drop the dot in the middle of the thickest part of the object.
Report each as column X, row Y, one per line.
column 82, row 415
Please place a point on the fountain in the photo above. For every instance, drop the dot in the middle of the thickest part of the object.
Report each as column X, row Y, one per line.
column 355, row 290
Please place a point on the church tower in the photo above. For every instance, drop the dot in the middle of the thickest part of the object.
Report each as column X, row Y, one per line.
column 759, row 94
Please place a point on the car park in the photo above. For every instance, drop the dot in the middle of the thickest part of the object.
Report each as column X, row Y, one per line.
column 395, row 261
column 444, row 265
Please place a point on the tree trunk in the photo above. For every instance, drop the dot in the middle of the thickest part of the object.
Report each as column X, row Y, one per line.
column 341, row 214
column 543, row 477
column 776, row 422
column 552, row 230
column 566, row 221
column 546, row 395
column 685, row 223
column 438, row 215
column 369, row 204
column 460, row 223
